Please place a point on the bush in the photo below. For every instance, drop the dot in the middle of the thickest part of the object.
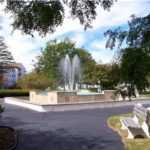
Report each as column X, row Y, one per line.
column 7, row 93
column 1, row 109
column 145, row 92
column 36, row 81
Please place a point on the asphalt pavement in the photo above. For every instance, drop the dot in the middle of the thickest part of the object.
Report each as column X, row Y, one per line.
column 69, row 130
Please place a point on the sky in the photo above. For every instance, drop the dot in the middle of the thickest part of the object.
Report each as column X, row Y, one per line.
column 25, row 48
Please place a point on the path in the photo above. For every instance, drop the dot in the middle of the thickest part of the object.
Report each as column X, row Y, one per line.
column 72, row 130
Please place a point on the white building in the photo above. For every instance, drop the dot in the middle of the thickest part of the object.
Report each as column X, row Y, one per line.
column 15, row 71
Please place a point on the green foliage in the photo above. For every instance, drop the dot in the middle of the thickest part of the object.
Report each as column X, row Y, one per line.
column 1, row 109
column 145, row 94
column 135, row 64
column 7, row 93
column 114, row 75
column 42, row 16
column 135, row 59
column 45, row 15
column 35, row 81
column 49, row 58
column 87, row 63
column 100, row 74
column 138, row 34
column 5, row 56
column 107, row 75
column 48, row 61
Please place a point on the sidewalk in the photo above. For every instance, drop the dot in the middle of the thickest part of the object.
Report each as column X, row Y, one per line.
column 74, row 106
column 125, row 102
column 68, row 130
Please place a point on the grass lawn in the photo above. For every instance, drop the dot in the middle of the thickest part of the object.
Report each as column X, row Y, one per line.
column 145, row 94
column 129, row 144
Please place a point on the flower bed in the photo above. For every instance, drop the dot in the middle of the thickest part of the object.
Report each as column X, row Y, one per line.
column 8, row 138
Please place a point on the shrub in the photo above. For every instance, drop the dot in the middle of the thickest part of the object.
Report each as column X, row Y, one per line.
column 7, row 93
column 1, row 109
column 35, row 81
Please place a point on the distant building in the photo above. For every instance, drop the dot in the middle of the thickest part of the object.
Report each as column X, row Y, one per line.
column 15, row 71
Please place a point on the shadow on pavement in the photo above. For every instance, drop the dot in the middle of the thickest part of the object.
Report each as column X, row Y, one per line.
column 59, row 140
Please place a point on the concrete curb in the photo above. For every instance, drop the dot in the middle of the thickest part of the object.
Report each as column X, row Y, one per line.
column 73, row 106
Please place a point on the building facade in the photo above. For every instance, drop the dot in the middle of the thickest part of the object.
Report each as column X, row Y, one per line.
column 15, row 71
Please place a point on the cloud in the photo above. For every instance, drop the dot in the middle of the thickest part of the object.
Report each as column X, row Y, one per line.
column 24, row 48
column 100, row 53
column 120, row 13
column 118, row 16
column 21, row 45
column 79, row 39
column 98, row 45
column 103, row 56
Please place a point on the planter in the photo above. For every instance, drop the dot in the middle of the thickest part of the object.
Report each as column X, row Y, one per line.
column 8, row 138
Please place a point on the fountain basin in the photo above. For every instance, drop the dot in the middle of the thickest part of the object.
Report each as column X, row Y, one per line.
column 57, row 97
column 47, row 101
column 57, row 107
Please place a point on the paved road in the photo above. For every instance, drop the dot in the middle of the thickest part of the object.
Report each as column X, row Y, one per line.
column 72, row 130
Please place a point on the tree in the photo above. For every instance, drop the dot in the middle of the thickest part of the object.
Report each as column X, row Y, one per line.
column 5, row 56
column 107, row 74
column 35, row 81
column 87, row 64
column 135, row 64
column 49, row 58
column 99, row 74
column 134, row 59
column 45, row 16
column 138, row 34
column 114, row 75
column 1, row 109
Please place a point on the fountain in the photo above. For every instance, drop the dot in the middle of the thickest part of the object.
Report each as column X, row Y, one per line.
column 70, row 99
column 71, row 71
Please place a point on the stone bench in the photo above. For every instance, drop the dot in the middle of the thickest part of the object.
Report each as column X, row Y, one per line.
column 132, row 125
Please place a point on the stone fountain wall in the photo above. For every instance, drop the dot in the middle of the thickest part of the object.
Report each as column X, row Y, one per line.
column 55, row 97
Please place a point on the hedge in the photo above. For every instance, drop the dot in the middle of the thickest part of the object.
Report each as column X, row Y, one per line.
column 1, row 109
column 9, row 93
